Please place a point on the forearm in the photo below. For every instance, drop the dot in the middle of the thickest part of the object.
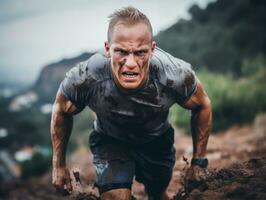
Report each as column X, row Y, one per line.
column 61, row 127
column 201, row 120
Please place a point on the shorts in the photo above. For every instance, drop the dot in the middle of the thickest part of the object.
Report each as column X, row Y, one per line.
column 117, row 162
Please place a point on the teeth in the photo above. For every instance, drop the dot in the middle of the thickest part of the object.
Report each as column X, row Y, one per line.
column 130, row 75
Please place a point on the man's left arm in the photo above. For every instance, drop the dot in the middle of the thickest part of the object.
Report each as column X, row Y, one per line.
column 201, row 120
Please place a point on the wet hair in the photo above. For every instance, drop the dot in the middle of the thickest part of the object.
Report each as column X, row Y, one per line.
column 130, row 16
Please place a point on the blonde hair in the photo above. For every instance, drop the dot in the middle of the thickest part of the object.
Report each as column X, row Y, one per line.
column 130, row 16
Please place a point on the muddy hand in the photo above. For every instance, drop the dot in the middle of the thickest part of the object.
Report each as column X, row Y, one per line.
column 62, row 181
column 195, row 178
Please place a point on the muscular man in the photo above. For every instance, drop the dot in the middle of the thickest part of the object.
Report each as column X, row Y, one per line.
column 130, row 89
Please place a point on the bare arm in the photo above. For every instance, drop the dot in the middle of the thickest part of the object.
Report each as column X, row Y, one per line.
column 61, row 127
column 201, row 120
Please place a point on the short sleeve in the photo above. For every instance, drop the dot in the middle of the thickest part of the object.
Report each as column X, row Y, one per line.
column 175, row 74
column 186, row 85
column 74, row 86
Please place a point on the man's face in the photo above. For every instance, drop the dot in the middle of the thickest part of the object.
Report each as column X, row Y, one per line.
column 130, row 49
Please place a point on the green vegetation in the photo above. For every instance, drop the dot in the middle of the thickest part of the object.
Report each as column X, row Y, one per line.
column 226, row 44
column 36, row 166
column 27, row 127
column 219, row 37
column 234, row 100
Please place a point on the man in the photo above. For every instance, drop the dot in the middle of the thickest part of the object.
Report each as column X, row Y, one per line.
column 130, row 89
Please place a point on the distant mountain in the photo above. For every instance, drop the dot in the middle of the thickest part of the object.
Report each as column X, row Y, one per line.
column 51, row 76
column 219, row 37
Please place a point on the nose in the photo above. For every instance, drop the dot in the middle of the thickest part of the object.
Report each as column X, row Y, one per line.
column 130, row 61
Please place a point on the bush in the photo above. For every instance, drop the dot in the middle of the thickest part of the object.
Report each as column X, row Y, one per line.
column 234, row 100
column 38, row 165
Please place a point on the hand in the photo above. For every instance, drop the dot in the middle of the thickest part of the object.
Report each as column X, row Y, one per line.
column 62, row 181
column 195, row 178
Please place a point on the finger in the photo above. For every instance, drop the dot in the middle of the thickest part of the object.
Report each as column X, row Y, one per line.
column 68, row 184
column 58, row 184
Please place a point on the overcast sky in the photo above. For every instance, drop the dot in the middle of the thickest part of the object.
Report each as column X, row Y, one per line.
column 34, row 33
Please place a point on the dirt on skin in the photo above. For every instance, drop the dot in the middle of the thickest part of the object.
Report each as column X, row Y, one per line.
column 237, row 171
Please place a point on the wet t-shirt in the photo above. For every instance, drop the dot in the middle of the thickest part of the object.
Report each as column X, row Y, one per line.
column 137, row 116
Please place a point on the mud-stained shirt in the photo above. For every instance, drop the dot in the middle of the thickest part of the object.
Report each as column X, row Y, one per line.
column 138, row 116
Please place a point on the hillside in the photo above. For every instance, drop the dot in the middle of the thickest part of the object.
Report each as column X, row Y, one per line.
column 52, row 74
column 220, row 37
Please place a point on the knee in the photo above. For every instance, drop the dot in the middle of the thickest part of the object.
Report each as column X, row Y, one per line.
column 118, row 194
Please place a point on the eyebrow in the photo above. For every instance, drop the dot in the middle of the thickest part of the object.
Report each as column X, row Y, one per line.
column 120, row 48
column 139, row 49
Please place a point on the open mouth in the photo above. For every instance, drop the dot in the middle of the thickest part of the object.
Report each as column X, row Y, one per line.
column 129, row 74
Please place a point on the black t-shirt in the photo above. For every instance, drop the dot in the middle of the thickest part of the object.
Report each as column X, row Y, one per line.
column 135, row 117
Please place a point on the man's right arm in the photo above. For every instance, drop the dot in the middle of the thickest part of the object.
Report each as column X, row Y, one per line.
column 61, row 127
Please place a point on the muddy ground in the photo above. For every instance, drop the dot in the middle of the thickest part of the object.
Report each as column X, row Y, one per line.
column 237, row 170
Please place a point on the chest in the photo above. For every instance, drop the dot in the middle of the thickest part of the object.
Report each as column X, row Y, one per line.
column 149, row 101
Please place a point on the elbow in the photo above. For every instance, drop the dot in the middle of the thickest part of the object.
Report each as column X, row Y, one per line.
column 204, row 106
column 207, row 103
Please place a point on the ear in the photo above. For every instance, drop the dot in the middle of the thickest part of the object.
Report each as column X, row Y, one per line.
column 107, row 49
column 153, row 46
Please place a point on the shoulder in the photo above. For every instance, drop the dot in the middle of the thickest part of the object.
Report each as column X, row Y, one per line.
column 81, row 79
column 96, row 68
column 173, row 72
column 169, row 66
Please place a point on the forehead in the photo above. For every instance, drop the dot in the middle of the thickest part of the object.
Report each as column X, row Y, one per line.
column 134, row 35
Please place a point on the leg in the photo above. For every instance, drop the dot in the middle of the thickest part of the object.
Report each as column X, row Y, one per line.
column 114, row 167
column 113, row 174
column 117, row 194
column 154, row 165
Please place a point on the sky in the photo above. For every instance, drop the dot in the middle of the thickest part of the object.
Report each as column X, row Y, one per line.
column 34, row 33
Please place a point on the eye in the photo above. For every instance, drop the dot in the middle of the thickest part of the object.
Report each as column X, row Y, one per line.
column 121, row 52
column 140, row 53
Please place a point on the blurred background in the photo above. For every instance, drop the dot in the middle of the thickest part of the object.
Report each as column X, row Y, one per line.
column 40, row 41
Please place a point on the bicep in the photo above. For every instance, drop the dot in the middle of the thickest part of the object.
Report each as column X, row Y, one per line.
column 199, row 99
column 64, row 106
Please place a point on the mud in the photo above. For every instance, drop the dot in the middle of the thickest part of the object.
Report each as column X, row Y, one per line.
column 238, row 181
